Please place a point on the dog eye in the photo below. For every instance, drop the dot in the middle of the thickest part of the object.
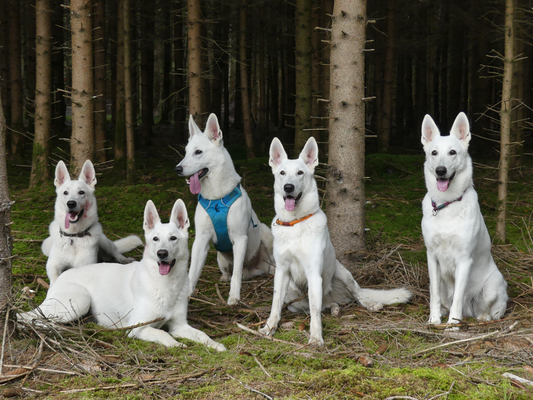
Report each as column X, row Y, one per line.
column 434, row 153
column 300, row 172
column 198, row 152
column 156, row 239
column 81, row 192
column 65, row 193
column 453, row 152
column 173, row 238
column 282, row 173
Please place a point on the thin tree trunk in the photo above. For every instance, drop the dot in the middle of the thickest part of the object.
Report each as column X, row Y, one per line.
column 30, row 70
column 245, row 89
column 179, row 74
column 6, row 242
column 127, row 93
column 15, row 75
column 147, row 70
column 384, row 134
column 345, row 184
column 194, row 32
column 120, row 125
column 4, row 55
column 165, row 101
column 43, row 92
column 82, row 139
column 100, row 81
column 505, row 122
column 58, row 71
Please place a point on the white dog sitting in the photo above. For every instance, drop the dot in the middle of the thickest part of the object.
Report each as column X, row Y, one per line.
column 463, row 278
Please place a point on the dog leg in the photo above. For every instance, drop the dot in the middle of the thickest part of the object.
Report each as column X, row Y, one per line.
column 281, row 284
column 188, row 332
column 314, row 283
column 200, row 247
column 239, row 252
column 225, row 263
column 434, row 290
column 151, row 334
column 462, row 272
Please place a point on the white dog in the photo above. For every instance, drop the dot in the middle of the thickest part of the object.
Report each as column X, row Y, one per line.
column 76, row 237
column 116, row 295
column 224, row 213
column 305, row 257
column 463, row 278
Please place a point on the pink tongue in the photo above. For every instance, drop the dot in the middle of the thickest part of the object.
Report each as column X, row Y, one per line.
column 442, row 184
column 194, row 184
column 164, row 268
column 290, row 203
column 67, row 221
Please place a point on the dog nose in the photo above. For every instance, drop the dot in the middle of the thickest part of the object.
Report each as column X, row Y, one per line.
column 71, row 204
column 289, row 188
column 162, row 254
column 179, row 169
column 440, row 171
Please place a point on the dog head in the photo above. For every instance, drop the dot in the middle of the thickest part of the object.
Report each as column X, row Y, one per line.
column 202, row 153
column 446, row 156
column 166, row 244
column 75, row 207
column 294, row 182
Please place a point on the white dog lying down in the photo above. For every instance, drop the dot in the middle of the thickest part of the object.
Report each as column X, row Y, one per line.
column 463, row 278
column 76, row 237
column 117, row 295
column 305, row 257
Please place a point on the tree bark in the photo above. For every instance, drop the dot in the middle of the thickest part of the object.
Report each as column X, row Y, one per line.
column 15, row 75
column 302, row 119
column 6, row 242
column 82, row 139
column 345, row 176
column 194, row 33
column 100, row 81
column 43, row 92
column 245, row 89
column 130, row 148
column 147, row 70
column 384, row 134
column 505, row 122
column 120, row 124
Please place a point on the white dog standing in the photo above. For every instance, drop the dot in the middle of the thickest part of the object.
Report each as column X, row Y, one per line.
column 224, row 214
column 76, row 237
column 117, row 295
column 305, row 257
column 463, row 278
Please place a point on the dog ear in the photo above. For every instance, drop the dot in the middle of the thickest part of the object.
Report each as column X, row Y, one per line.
column 179, row 215
column 309, row 154
column 212, row 129
column 193, row 128
column 151, row 216
column 87, row 174
column 277, row 154
column 429, row 130
column 461, row 128
column 62, row 174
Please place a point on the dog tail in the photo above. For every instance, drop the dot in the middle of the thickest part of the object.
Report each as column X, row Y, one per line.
column 374, row 300
column 128, row 243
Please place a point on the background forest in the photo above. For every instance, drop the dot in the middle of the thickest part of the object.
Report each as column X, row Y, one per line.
column 116, row 80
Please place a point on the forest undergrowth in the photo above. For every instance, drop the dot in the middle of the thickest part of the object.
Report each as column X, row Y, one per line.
column 391, row 354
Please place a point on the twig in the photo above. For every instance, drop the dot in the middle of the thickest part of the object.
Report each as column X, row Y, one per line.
column 445, row 393
column 251, row 388
column 401, row 397
column 220, row 295
column 455, row 342
column 267, row 337
column 202, row 301
column 6, row 322
column 263, row 368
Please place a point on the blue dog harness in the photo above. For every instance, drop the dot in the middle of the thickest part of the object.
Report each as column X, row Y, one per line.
column 218, row 212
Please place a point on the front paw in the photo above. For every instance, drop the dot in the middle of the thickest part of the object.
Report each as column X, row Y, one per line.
column 225, row 278
column 125, row 260
column 232, row 300
column 316, row 341
column 434, row 320
column 266, row 330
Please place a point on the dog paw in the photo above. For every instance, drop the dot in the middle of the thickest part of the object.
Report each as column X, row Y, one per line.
column 265, row 330
column 219, row 346
column 434, row 320
column 225, row 278
column 452, row 329
column 374, row 307
column 316, row 341
column 335, row 310
column 125, row 260
column 233, row 301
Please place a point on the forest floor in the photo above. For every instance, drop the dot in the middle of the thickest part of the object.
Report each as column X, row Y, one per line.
column 391, row 354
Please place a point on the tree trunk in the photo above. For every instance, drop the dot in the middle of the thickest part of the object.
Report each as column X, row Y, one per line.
column 384, row 134
column 30, row 70
column 194, row 33
column 120, row 125
column 4, row 55
column 15, row 75
column 58, row 71
column 100, row 81
column 165, row 101
column 43, row 93
column 302, row 119
column 505, row 122
column 179, row 75
column 245, row 89
column 82, row 139
column 6, row 242
column 345, row 176
column 147, row 70
column 127, row 93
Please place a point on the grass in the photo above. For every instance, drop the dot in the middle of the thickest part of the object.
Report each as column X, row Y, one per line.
column 107, row 364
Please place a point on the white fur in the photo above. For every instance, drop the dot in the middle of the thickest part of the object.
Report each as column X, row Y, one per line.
column 71, row 252
column 464, row 280
column 117, row 295
column 305, row 257
column 252, row 247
